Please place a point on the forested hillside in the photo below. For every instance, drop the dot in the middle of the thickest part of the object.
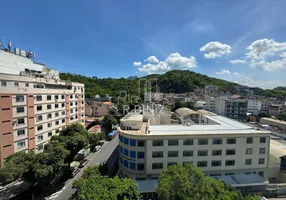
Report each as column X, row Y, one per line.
column 175, row 81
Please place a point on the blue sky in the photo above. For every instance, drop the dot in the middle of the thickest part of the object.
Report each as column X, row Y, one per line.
column 104, row 38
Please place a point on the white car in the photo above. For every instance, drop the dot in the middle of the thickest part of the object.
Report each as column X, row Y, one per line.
column 97, row 148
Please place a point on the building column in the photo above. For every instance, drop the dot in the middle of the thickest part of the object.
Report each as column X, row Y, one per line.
column 31, row 122
column 67, row 109
column 79, row 108
column 6, row 127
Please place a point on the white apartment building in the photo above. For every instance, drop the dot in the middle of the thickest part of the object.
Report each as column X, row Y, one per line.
column 218, row 145
column 210, row 103
column 34, row 104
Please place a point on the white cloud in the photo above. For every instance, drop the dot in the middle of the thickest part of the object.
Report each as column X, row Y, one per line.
column 176, row 61
column 223, row 71
column 235, row 73
column 149, row 68
column 137, row 64
column 173, row 61
column 263, row 53
column 215, row 49
column 152, row 59
column 265, row 84
column 237, row 61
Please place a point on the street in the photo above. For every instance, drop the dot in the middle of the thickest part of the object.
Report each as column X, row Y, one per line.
column 101, row 156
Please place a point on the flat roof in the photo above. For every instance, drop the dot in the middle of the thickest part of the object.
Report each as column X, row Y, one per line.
column 224, row 126
column 132, row 117
column 277, row 147
column 274, row 120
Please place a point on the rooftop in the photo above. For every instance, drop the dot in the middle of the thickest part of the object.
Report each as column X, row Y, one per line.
column 274, row 120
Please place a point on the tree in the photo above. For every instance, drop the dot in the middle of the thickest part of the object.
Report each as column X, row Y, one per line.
column 14, row 166
column 107, row 122
column 189, row 182
column 93, row 186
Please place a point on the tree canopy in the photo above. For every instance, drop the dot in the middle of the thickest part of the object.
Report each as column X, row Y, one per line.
column 94, row 186
column 107, row 123
column 189, row 182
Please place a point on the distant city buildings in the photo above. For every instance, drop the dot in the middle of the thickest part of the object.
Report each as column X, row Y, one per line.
column 34, row 104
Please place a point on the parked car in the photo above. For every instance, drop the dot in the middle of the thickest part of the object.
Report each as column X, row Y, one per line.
column 83, row 163
column 75, row 172
column 97, row 148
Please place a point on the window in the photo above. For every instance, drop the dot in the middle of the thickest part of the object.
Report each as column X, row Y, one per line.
column 132, row 165
column 140, row 166
column 63, row 113
column 39, row 98
column 188, row 142
column 49, row 116
column 39, row 118
column 173, row 153
column 6, row 133
column 19, row 98
column 216, row 163
column 39, row 127
column 58, row 130
column 63, row 120
column 71, row 96
column 21, row 144
column 171, row 163
column 56, row 105
column 248, row 161
column 173, row 142
column 20, row 109
column 63, row 96
column 202, row 152
column 21, row 121
column 20, row 132
column 121, row 138
column 229, row 162
column 263, row 140
column 216, row 152
column 39, row 108
column 132, row 142
column 261, row 161
column 49, row 97
column 16, row 84
column 229, row 174
column 187, row 153
column 5, row 146
column 231, row 141
column 157, row 143
column 27, row 84
column 202, row 163
column 126, row 141
column 40, row 138
column 249, row 151
column 157, row 165
column 157, row 154
column 50, row 125
column 40, row 147
column 3, row 83
column 56, row 97
column 71, row 103
column 249, row 140
column 5, row 121
column 125, row 163
column 125, row 151
column 50, row 134
column 57, row 114
column 230, row 152
column 140, row 143
column 132, row 154
column 217, row 141
column 49, row 106
column 247, row 173
column 140, row 154
column 57, row 123
column 261, row 150
column 203, row 141
column 63, row 105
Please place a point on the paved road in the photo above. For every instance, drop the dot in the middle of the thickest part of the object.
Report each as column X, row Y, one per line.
column 101, row 156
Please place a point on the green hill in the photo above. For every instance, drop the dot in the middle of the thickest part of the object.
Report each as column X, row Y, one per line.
column 176, row 81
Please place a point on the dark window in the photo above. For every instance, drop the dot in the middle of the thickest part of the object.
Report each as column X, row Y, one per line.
column 158, row 143
column 140, row 143
column 173, row 142
column 39, row 98
column 57, row 123
column 171, row 163
column 132, row 165
column 140, row 154
column 21, row 121
column 39, row 127
column 16, row 84
column 132, row 154
column 217, row 141
column 49, row 106
column 202, row 163
column 63, row 120
column 6, row 133
column 216, row 152
column 229, row 162
column 249, row 140
column 261, row 150
column 249, row 151
column 187, row 153
column 58, row 130
column 8, row 145
column 19, row 98
column 157, row 154
column 49, row 116
column 3, row 83
column 20, row 109
column 125, row 163
column 231, row 141
column 132, row 142
column 56, row 97
column 50, row 134
column 188, row 142
column 173, row 153
column 126, row 141
column 39, row 108
column 203, row 141
column 50, row 125
column 157, row 165
column 63, row 105
column 230, row 152
column 63, row 96
column 263, row 140
column 49, row 97
column 20, row 132
column 261, row 161
column 126, row 152
column 56, row 105
column 27, row 84
column 248, row 161
column 203, row 153
column 216, row 163
column 140, row 166
column 261, row 173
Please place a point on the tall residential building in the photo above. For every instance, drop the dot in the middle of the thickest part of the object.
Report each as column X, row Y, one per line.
column 210, row 103
column 218, row 145
column 34, row 104
column 236, row 109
